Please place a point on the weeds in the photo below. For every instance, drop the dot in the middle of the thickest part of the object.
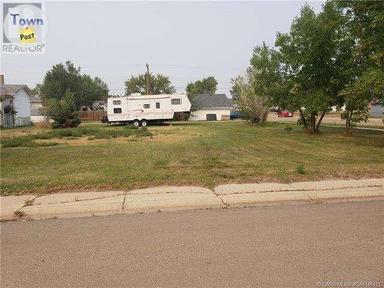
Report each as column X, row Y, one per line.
column 300, row 169
column 28, row 202
column 19, row 213
column 143, row 132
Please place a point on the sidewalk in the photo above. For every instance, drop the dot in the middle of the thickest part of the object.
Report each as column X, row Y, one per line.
column 167, row 198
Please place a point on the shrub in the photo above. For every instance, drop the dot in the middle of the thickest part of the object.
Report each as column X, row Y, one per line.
column 63, row 112
column 252, row 107
column 300, row 169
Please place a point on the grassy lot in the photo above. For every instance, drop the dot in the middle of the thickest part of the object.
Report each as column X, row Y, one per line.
column 96, row 157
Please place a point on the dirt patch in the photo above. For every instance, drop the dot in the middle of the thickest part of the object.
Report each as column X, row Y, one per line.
column 89, row 140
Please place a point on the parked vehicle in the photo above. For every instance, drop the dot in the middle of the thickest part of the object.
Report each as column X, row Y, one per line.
column 235, row 115
column 284, row 113
column 140, row 109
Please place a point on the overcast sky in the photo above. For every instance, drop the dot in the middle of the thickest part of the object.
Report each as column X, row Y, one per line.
column 184, row 40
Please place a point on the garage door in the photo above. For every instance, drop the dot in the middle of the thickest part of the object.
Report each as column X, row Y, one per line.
column 211, row 117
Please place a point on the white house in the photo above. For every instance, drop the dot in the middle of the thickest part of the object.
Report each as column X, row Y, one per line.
column 211, row 107
column 15, row 105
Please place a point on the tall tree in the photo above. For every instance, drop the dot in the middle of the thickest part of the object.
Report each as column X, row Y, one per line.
column 158, row 84
column 269, row 76
column 364, row 24
column 63, row 77
column 204, row 86
column 262, row 83
column 310, row 52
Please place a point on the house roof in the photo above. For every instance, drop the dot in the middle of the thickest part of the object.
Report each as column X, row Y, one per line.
column 10, row 89
column 212, row 101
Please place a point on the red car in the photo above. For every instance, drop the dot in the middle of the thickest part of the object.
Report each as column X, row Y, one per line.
column 284, row 113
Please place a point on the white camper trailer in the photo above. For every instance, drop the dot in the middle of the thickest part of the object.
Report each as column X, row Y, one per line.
column 142, row 109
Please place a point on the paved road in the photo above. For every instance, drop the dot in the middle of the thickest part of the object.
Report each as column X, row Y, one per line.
column 278, row 246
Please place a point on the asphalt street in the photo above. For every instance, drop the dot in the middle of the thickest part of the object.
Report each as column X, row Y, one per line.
column 316, row 245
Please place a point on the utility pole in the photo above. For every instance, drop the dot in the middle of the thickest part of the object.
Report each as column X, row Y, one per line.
column 147, row 78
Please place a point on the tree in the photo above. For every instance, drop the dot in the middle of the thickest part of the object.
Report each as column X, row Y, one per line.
column 66, row 76
column 309, row 54
column 204, row 86
column 253, row 107
column 262, row 85
column 63, row 111
column 158, row 84
column 358, row 95
column 365, row 20
column 364, row 23
column 268, row 76
column 37, row 90
column 93, row 89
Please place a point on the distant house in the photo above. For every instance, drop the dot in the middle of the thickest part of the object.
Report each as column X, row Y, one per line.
column 211, row 107
column 97, row 105
column 100, row 105
column 36, row 110
column 15, row 105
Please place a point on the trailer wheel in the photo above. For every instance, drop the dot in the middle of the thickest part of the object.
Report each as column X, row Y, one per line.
column 136, row 123
column 144, row 123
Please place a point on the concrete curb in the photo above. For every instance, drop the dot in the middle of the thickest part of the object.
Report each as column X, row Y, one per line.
column 168, row 198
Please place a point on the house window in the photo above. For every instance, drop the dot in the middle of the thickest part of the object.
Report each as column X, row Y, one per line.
column 147, row 106
column 117, row 110
column 157, row 105
column 116, row 102
column 176, row 101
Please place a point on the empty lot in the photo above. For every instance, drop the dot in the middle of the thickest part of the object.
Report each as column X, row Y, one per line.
column 205, row 153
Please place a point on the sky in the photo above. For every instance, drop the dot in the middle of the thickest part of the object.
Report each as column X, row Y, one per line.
column 186, row 41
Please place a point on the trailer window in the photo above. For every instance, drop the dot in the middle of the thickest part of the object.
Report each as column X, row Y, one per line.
column 117, row 110
column 157, row 105
column 176, row 101
column 147, row 106
column 116, row 102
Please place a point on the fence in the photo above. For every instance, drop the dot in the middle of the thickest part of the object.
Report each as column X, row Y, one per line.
column 91, row 115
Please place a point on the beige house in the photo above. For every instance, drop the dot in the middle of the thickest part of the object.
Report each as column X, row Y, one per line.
column 211, row 107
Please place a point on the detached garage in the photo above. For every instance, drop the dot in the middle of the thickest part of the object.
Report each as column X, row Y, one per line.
column 211, row 107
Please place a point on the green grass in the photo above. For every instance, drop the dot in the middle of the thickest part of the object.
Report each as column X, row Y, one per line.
column 205, row 153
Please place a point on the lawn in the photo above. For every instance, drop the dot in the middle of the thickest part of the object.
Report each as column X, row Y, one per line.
column 92, row 156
